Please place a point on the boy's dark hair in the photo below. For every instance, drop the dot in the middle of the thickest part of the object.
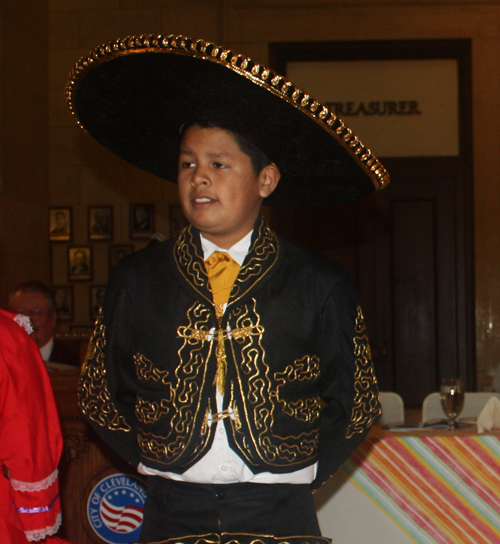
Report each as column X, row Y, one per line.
column 257, row 157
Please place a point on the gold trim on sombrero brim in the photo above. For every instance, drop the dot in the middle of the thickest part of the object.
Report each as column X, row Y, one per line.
column 258, row 74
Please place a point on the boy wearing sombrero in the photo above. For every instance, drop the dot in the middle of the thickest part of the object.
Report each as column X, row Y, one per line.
column 227, row 364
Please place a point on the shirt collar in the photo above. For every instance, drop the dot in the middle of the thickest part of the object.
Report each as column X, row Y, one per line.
column 238, row 252
column 46, row 350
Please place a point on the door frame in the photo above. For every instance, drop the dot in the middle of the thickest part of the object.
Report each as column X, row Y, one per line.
column 280, row 53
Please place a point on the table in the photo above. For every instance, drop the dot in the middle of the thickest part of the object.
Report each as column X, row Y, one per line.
column 425, row 487
column 397, row 488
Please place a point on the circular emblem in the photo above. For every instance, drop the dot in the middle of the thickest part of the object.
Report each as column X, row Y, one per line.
column 114, row 508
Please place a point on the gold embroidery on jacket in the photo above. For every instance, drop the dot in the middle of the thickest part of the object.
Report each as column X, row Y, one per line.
column 256, row 397
column 210, row 335
column 366, row 402
column 305, row 369
column 221, row 335
column 184, row 397
column 150, row 412
column 205, row 427
column 146, row 371
column 262, row 257
column 157, row 447
column 93, row 395
column 190, row 263
column 246, row 538
column 253, row 398
column 237, row 420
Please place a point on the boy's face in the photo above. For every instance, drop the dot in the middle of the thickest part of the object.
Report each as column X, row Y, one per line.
column 219, row 191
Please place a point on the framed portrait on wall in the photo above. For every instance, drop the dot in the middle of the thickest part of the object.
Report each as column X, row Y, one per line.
column 100, row 223
column 142, row 220
column 60, row 224
column 80, row 263
column 96, row 298
column 63, row 300
column 117, row 252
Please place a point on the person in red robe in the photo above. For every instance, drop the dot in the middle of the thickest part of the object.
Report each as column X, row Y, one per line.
column 30, row 439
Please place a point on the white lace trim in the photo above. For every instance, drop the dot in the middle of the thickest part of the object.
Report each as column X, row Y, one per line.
column 40, row 534
column 34, row 486
column 24, row 322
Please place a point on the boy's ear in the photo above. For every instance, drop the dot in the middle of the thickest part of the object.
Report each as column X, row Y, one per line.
column 269, row 177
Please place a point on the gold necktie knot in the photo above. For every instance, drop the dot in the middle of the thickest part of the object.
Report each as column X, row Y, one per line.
column 222, row 272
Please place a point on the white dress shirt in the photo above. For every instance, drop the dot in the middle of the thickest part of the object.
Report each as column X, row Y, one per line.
column 46, row 350
column 221, row 465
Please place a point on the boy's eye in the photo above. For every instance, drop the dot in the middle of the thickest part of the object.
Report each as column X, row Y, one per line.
column 219, row 165
column 187, row 164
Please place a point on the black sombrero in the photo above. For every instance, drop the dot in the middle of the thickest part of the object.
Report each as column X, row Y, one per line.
column 133, row 95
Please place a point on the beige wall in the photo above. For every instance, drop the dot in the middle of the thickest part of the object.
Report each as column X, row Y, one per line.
column 24, row 165
column 81, row 173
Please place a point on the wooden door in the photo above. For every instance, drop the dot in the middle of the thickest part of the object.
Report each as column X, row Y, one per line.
column 407, row 247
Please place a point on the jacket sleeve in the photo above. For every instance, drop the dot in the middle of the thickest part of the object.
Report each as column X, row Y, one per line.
column 107, row 392
column 348, row 383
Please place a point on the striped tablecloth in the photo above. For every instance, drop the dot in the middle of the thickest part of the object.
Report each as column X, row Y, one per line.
column 438, row 489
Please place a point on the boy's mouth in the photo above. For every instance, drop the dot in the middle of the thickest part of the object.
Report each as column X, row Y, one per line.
column 203, row 200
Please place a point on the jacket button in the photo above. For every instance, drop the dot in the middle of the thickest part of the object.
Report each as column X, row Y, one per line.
column 220, row 494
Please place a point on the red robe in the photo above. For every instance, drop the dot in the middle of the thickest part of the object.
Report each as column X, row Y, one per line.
column 30, row 440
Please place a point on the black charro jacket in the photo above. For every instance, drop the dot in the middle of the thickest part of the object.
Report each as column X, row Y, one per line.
column 299, row 377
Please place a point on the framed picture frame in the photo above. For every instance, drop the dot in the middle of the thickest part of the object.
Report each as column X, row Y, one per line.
column 177, row 219
column 100, row 223
column 117, row 252
column 96, row 299
column 80, row 263
column 63, row 300
column 60, row 224
column 142, row 220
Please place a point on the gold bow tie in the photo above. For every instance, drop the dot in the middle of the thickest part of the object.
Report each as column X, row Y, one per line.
column 222, row 271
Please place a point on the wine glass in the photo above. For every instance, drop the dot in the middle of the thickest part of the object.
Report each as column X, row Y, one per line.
column 451, row 394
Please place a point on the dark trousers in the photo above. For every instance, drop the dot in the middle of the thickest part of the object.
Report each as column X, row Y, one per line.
column 179, row 509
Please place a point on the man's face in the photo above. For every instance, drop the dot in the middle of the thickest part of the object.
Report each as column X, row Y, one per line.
column 43, row 319
column 219, row 191
column 141, row 215
column 60, row 219
column 100, row 219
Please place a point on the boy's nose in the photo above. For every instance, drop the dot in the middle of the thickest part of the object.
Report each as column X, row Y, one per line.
column 200, row 177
